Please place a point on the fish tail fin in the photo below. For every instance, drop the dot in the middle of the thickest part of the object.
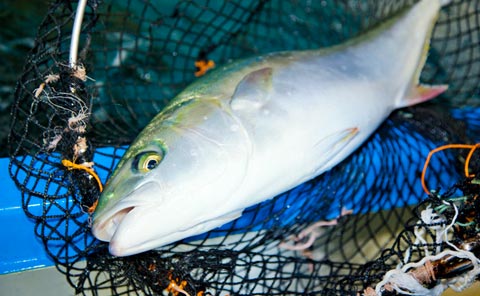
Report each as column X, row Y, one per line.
column 435, row 7
column 419, row 93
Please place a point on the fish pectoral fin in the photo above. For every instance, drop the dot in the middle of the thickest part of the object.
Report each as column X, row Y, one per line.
column 253, row 91
column 422, row 93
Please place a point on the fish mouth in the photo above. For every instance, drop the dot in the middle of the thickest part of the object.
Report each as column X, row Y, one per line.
column 106, row 223
column 105, row 228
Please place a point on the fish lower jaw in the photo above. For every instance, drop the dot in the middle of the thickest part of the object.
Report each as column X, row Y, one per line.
column 105, row 230
column 121, row 247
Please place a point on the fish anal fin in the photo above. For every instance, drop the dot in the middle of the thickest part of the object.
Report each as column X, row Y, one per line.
column 422, row 93
column 338, row 138
column 253, row 91
column 330, row 148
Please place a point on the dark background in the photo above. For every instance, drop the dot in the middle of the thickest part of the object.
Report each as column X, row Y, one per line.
column 19, row 21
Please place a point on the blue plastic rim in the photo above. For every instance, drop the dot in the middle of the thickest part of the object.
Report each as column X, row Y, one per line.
column 20, row 249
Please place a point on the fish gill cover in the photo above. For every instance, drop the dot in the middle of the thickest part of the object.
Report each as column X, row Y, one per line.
column 70, row 125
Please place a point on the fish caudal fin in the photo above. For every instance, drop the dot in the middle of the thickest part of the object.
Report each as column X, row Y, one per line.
column 422, row 93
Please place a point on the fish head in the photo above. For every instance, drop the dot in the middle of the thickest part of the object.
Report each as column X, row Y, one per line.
column 168, row 186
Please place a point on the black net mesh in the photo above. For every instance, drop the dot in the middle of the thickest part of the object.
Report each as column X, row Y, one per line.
column 137, row 55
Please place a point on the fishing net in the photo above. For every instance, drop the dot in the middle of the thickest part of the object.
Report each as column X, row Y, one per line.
column 364, row 225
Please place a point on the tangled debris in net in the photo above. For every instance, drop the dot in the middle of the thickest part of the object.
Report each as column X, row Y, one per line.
column 66, row 94
column 440, row 249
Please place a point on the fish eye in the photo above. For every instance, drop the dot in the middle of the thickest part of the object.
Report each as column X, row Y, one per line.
column 147, row 161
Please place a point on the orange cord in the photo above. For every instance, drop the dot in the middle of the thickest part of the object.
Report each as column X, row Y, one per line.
column 444, row 147
column 203, row 67
column 93, row 207
column 71, row 165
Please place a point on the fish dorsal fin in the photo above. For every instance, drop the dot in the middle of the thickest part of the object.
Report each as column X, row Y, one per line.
column 254, row 90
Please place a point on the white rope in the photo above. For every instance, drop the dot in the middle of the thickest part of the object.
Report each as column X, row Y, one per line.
column 404, row 282
column 77, row 28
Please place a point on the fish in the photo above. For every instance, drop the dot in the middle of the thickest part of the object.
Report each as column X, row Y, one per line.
column 257, row 127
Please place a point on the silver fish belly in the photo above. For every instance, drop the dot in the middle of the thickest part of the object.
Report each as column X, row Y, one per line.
column 258, row 127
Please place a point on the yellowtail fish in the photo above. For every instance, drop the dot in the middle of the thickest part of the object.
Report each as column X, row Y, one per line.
column 258, row 127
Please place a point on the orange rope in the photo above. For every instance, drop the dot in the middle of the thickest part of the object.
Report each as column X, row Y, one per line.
column 71, row 165
column 467, row 160
column 444, row 147
column 93, row 207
